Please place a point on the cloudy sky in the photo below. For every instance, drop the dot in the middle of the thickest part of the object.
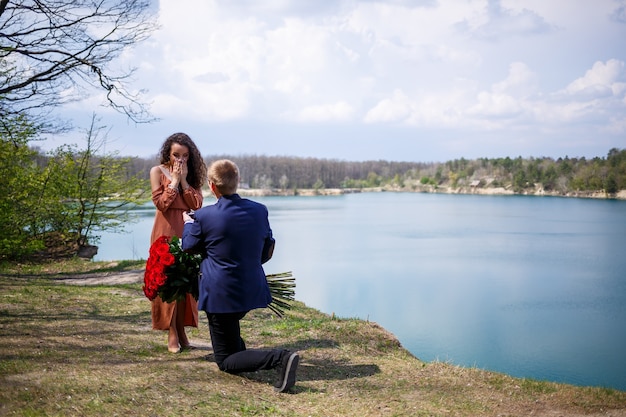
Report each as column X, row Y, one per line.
column 404, row 80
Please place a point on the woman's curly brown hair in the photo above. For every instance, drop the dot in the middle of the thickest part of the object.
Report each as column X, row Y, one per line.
column 196, row 176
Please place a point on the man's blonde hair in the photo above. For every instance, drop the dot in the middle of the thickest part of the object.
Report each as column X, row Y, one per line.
column 225, row 175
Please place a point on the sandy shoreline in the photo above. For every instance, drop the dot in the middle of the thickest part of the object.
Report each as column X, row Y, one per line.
column 249, row 192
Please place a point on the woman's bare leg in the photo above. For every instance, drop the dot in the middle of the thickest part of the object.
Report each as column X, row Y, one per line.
column 172, row 337
column 180, row 324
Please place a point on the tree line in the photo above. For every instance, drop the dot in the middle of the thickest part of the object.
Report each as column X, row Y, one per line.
column 562, row 175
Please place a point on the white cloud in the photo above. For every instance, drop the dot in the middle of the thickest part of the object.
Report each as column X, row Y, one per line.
column 393, row 109
column 508, row 99
column 598, row 98
column 340, row 111
column 479, row 66
column 619, row 13
column 602, row 77
column 497, row 22
column 495, row 105
column 520, row 80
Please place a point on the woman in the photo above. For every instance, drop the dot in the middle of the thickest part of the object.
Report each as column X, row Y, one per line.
column 176, row 188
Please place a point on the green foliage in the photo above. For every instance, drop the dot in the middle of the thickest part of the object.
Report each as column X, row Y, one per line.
column 64, row 198
column 549, row 178
column 20, row 181
column 97, row 188
column 397, row 181
column 319, row 184
column 351, row 183
column 453, row 177
column 373, row 180
column 610, row 185
column 519, row 180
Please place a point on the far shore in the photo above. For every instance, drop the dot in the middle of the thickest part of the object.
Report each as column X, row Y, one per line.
column 258, row 192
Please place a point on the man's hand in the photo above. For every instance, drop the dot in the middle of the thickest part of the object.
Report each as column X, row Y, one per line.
column 188, row 216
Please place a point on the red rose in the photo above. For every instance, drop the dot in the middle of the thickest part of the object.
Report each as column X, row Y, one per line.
column 158, row 244
column 153, row 276
column 150, row 293
column 153, row 264
column 160, row 279
column 168, row 259
column 161, row 248
column 149, row 288
column 165, row 254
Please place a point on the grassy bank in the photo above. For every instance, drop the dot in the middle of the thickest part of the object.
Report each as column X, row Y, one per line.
column 69, row 350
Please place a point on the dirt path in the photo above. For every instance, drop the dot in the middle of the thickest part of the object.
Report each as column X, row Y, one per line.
column 104, row 278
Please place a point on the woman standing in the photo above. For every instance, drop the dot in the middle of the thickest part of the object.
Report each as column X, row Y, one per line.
column 176, row 188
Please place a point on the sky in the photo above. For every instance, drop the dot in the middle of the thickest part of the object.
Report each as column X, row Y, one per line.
column 398, row 80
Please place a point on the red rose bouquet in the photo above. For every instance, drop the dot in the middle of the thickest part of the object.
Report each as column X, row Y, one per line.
column 170, row 273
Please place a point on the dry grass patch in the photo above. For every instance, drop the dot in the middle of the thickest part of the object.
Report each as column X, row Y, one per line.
column 89, row 351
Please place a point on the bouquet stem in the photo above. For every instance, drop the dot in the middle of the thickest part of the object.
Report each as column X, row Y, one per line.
column 282, row 288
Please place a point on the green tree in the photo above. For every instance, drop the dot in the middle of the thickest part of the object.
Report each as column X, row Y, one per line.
column 610, row 185
column 438, row 175
column 453, row 177
column 565, row 166
column 397, row 180
column 507, row 164
column 65, row 199
column 97, row 189
column 373, row 179
column 20, row 178
column 549, row 177
column 519, row 180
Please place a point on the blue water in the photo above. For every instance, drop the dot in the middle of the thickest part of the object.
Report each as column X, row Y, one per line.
column 529, row 286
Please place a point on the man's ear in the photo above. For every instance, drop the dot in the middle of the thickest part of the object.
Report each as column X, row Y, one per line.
column 214, row 189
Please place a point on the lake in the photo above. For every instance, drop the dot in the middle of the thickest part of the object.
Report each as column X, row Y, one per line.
column 529, row 286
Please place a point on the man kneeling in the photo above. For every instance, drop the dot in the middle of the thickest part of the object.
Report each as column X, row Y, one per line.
column 235, row 235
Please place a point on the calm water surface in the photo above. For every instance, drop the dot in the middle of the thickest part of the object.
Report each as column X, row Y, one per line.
column 529, row 286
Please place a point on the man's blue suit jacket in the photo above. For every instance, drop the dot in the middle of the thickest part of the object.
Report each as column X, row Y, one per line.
column 232, row 235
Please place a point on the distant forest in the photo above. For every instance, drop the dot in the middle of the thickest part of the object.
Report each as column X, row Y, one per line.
column 557, row 176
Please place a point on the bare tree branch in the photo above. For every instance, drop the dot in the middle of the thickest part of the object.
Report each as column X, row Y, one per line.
column 57, row 51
